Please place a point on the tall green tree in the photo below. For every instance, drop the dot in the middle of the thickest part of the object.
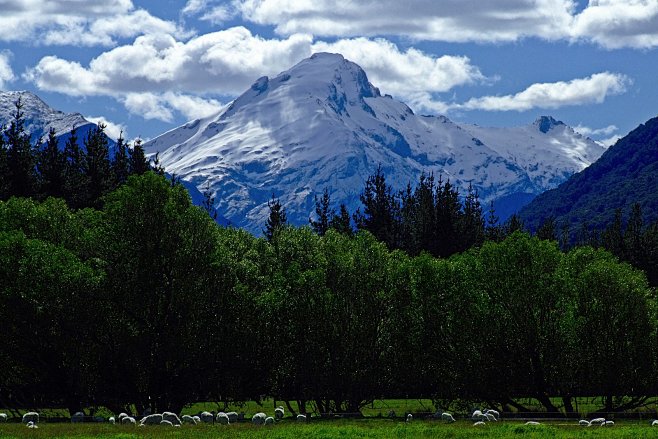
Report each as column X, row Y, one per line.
column 323, row 213
column 121, row 162
column 52, row 167
column 21, row 156
column 97, row 165
column 380, row 210
column 276, row 220
column 342, row 221
column 75, row 184
column 138, row 163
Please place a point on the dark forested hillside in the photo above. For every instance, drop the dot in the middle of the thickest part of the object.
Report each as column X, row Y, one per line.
column 626, row 174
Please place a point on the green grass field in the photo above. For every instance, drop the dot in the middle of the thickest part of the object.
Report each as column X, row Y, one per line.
column 288, row 429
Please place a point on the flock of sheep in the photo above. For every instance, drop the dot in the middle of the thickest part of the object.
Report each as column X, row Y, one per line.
column 479, row 417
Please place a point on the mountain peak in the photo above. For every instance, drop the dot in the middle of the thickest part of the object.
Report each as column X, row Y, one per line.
column 545, row 123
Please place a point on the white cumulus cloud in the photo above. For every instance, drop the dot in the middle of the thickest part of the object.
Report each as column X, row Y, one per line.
column 113, row 130
column 437, row 20
column 78, row 22
column 6, row 72
column 593, row 89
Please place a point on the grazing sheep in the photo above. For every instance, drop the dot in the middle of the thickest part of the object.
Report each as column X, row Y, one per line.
column 490, row 417
column 496, row 413
column 608, row 424
column 128, row 420
column 654, row 423
column 153, row 419
column 3, row 417
column 445, row 416
column 77, row 417
column 278, row 413
column 258, row 418
column 187, row 419
column 121, row 416
column 206, row 417
column 597, row 421
column 166, row 423
column 222, row 418
column 532, row 423
column 269, row 420
column 583, row 423
column 479, row 424
column 112, row 420
column 477, row 416
column 301, row 418
column 196, row 419
column 31, row 417
column 31, row 424
column 171, row 417
column 409, row 418
column 232, row 417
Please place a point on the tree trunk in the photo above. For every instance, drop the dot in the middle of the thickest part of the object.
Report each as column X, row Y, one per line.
column 568, row 405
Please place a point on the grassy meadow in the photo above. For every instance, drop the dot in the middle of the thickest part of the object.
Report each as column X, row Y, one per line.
column 336, row 429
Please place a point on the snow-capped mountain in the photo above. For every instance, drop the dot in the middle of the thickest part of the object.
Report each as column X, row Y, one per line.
column 40, row 118
column 321, row 124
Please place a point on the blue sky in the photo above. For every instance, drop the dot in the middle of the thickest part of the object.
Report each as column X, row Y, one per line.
column 148, row 66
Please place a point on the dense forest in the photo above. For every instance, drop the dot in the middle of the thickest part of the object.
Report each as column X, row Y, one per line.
column 123, row 294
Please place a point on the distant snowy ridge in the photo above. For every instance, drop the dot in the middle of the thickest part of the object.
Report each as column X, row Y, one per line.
column 39, row 117
column 321, row 124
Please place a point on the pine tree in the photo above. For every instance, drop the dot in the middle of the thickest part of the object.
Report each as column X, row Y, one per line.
column 342, row 222
column 493, row 231
column 276, row 220
column 208, row 200
column 138, row 163
column 75, row 180
column 120, row 165
column 425, row 217
column 323, row 213
column 448, row 212
column 52, row 168
column 20, row 156
column 381, row 210
column 97, row 165
column 4, row 168
column 548, row 229
column 472, row 224
column 612, row 237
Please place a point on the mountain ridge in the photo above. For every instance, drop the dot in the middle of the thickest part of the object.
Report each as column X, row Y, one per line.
column 322, row 124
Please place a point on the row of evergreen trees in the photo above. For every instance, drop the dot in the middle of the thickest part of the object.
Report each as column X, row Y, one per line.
column 80, row 174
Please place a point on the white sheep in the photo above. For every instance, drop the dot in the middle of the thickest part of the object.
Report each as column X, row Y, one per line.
column 222, row 418
column 608, row 424
column 166, row 423
column 31, row 417
column 232, row 417
column 532, row 423
column 112, row 420
column 269, row 420
column 445, row 416
column 654, row 423
column 153, row 419
column 597, row 421
column 3, row 417
column 121, row 416
column 171, row 417
column 496, row 413
column 278, row 413
column 479, row 424
column 258, row 418
column 31, row 424
column 206, row 417
column 583, row 423
column 187, row 419
column 197, row 419
column 78, row 417
column 477, row 415
column 489, row 417
column 301, row 418
column 128, row 420
column 409, row 418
